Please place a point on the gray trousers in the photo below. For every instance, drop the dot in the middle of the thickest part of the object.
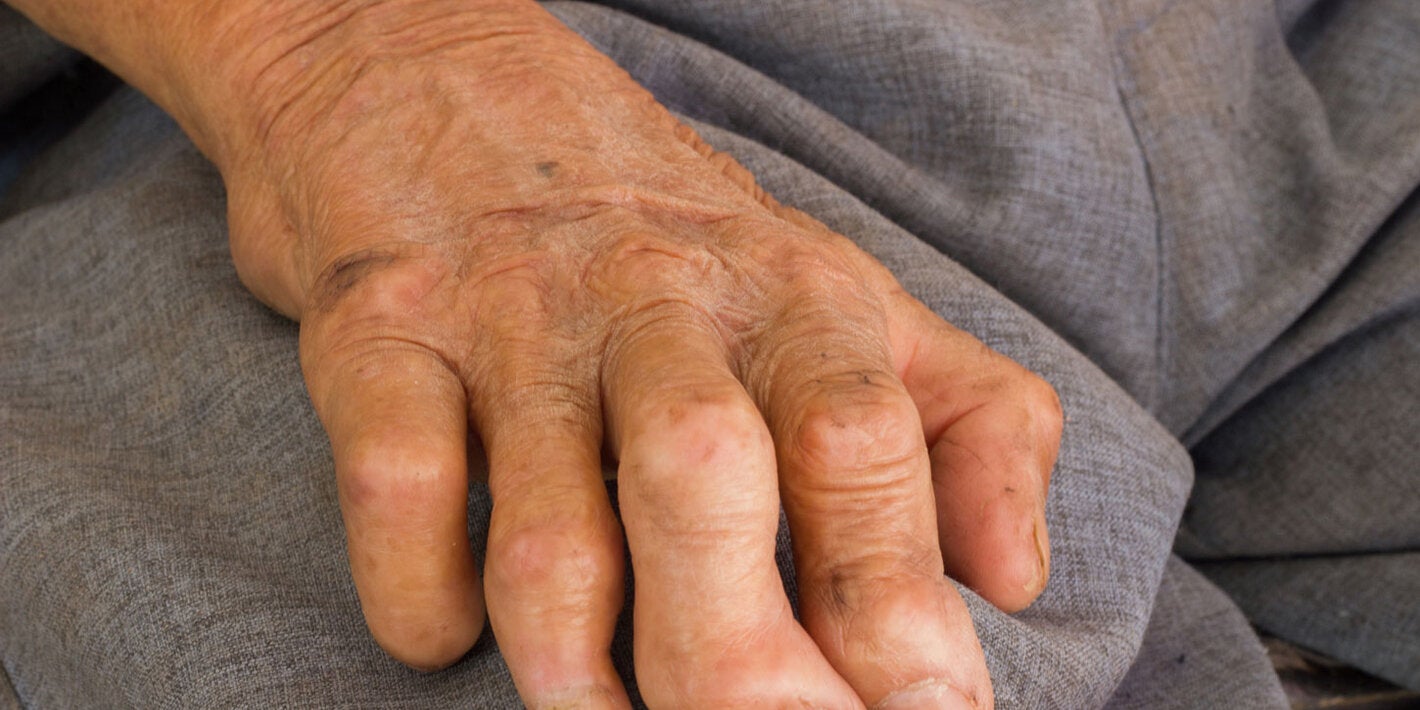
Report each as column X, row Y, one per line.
column 1196, row 219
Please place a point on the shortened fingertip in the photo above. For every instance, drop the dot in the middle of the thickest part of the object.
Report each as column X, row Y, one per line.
column 430, row 648
column 1016, row 583
column 432, row 658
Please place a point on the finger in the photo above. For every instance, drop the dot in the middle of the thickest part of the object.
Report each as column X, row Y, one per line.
column 555, row 556
column 397, row 420
column 699, row 501
column 994, row 431
column 857, row 491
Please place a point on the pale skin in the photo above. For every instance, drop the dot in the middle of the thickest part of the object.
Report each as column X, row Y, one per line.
column 486, row 228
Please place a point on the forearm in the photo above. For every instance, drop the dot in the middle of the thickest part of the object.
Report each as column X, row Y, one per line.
column 155, row 45
column 224, row 69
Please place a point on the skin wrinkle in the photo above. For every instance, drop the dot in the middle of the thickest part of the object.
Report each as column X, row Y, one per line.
column 309, row 30
column 936, row 433
column 929, row 684
column 388, row 317
column 361, row 362
column 346, row 273
column 483, row 220
column 338, row 78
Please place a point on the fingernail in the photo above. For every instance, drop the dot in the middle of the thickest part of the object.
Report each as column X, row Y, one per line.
column 1042, row 572
column 933, row 693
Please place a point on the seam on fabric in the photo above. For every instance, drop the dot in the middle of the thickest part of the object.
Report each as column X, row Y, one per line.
column 9, row 697
column 1120, row 74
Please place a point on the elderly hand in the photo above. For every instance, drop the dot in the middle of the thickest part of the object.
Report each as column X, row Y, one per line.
column 485, row 226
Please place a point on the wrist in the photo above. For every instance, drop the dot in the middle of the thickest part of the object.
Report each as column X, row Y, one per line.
column 267, row 72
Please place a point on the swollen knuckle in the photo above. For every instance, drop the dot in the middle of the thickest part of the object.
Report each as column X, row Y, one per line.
column 704, row 427
column 864, row 427
column 552, row 554
column 376, row 479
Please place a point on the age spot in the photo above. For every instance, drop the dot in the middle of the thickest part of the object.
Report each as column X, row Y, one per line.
column 547, row 168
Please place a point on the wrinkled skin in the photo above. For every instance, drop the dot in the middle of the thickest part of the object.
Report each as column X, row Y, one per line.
column 487, row 229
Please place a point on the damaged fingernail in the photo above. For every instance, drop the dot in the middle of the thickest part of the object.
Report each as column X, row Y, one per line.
column 1042, row 557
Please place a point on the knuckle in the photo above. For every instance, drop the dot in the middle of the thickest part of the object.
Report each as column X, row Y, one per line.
column 815, row 287
column 818, row 270
column 401, row 484
column 706, row 426
column 895, row 588
column 641, row 262
column 514, row 287
column 865, row 425
column 1029, row 402
column 376, row 284
column 573, row 551
column 694, row 469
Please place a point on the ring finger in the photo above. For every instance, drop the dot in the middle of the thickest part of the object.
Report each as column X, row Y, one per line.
column 699, row 500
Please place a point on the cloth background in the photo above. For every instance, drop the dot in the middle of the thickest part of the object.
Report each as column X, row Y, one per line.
column 1196, row 219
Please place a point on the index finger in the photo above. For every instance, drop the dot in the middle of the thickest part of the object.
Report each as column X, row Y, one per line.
column 397, row 421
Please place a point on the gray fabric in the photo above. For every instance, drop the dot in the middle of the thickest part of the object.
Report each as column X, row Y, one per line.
column 8, row 699
column 1186, row 216
column 1309, row 482
column 1188, row 659
column 1359, row 608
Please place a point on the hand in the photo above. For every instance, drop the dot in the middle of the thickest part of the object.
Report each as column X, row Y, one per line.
column 485, row 226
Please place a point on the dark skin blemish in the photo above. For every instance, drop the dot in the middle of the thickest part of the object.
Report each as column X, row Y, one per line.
column 547, row 168
column 345, row 273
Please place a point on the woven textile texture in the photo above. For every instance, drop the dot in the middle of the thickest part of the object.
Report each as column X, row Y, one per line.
column 1195, row 219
